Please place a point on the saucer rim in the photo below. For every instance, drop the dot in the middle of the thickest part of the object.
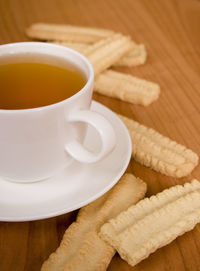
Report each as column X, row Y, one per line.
column 92, row 198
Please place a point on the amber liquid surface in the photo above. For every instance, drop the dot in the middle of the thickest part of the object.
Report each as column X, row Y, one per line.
column 31, row 85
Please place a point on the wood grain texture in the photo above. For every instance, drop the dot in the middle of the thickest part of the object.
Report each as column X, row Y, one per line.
column 170, row 31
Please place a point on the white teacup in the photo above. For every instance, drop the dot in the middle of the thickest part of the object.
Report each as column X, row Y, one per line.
column 37, row 143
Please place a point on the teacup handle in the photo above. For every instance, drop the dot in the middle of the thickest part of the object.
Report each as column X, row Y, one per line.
column 103, row 127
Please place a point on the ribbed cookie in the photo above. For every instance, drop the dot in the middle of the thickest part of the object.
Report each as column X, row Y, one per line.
column 158, row 152
column 81, row 247
column 106, row 52
column 63, row 32
column 82, row 48
column 126, row 87
column 145, row 207
column 153, row 222
column 137, row 56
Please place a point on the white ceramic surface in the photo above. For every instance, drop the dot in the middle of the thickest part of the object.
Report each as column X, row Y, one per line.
column 72, row 188
column 37, row 143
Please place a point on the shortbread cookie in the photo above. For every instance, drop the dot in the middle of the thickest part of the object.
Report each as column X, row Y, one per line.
column 126, row 87
column 154, row 150
column 81, row 247
column 106, row 52
column 154, row 222
column 43, row 31
column 78, row 36
column 136, row 57
column 145, row 207
column 82, row 48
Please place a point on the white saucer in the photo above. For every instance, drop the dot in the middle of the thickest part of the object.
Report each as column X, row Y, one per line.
column 76, row 186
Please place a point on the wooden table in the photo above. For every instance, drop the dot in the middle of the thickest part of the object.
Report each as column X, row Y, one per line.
column 170, row 31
